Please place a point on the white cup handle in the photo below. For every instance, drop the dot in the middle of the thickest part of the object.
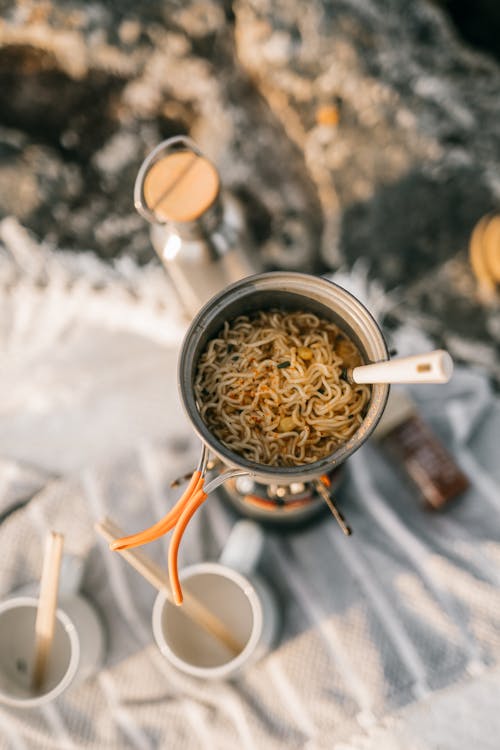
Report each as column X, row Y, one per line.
column 71, row 575
column 243, row 548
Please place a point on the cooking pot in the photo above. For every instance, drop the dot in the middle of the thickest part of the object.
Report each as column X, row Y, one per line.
column 289, row 291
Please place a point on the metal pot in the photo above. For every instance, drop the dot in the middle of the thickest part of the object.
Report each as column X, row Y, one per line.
column 291, row 291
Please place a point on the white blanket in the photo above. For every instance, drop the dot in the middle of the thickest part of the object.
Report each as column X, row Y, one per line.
column 391, row 638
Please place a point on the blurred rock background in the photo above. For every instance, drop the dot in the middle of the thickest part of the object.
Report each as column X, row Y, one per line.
column 353, row 131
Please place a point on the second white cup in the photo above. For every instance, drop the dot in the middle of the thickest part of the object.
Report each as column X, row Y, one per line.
column 77, row 649
column 233, row 591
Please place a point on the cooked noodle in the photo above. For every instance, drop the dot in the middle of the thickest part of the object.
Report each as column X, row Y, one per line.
column 271, row 387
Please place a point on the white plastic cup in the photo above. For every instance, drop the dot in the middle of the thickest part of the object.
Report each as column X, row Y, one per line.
column 77, row 649
column 231, row 589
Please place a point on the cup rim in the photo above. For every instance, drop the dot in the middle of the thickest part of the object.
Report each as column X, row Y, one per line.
column 69, row 627
column 228, row 668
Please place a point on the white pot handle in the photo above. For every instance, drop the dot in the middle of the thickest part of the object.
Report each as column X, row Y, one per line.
column 433, row 367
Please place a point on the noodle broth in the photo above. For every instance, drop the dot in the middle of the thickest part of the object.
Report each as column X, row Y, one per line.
column 272, row 387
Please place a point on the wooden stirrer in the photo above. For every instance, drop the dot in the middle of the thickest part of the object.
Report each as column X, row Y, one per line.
column 158, row 578
column 47, row 605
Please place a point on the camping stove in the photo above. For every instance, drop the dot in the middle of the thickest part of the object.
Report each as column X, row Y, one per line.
column 282, row 504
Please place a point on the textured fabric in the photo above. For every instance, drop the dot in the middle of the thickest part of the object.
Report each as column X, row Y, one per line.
column 374, row 626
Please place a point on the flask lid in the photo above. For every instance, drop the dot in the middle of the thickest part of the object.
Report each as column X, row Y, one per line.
column 176, row 183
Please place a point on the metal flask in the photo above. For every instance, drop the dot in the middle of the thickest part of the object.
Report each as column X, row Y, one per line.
column 198, row 231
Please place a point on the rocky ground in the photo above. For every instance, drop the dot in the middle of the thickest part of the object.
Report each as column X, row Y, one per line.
column 351, row 130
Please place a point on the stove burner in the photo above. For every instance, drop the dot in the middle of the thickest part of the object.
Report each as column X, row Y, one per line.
column 282, row 504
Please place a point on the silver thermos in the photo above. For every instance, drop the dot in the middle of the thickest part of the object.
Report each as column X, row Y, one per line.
column 197, row 229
